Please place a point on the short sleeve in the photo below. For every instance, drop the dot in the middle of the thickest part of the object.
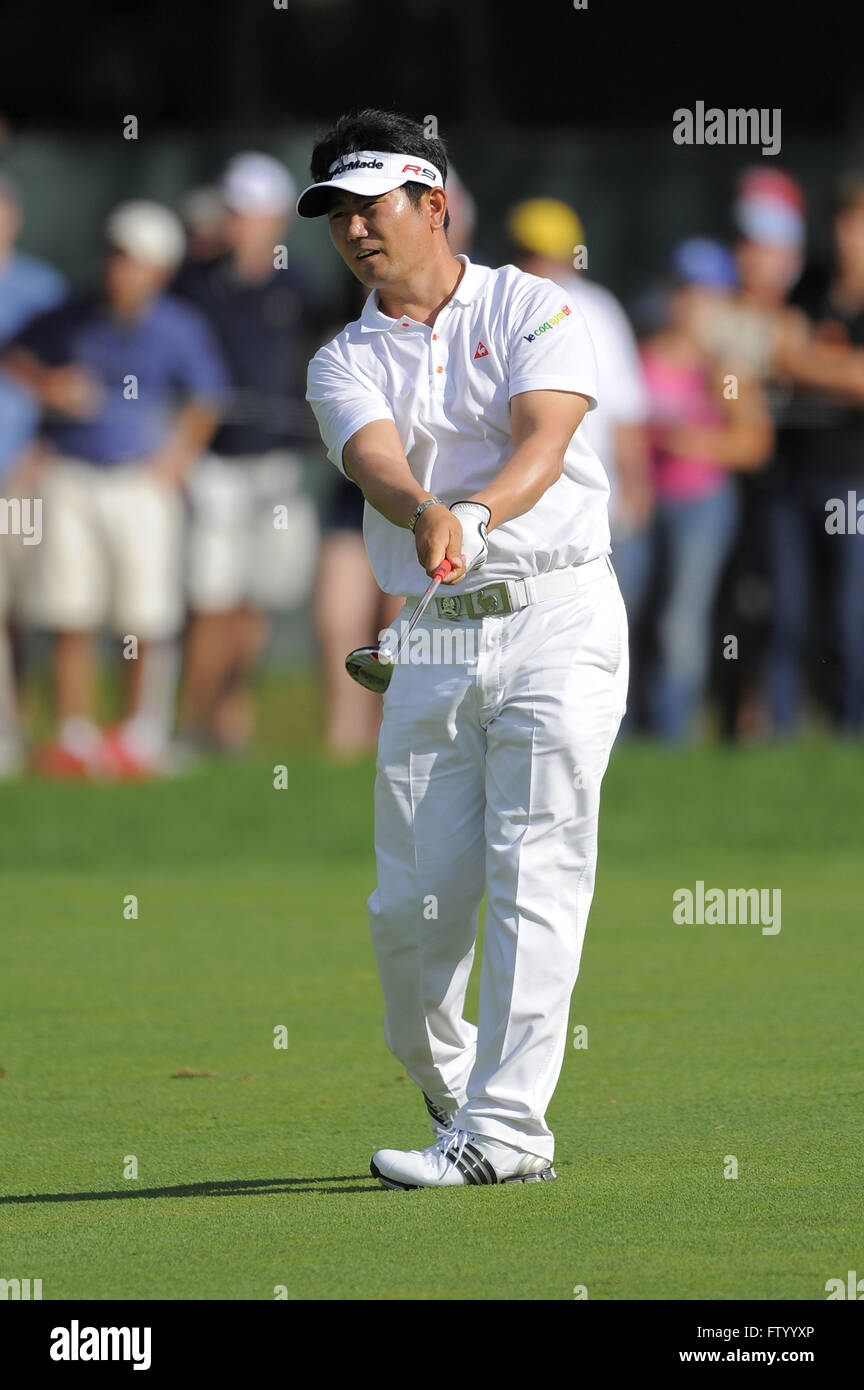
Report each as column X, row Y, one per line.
column 342, row 402
column 550, row 346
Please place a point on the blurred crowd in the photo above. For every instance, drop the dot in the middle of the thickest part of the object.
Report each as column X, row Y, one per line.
column 155, row 448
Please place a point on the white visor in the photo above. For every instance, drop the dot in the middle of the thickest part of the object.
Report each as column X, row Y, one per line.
column 370, row 172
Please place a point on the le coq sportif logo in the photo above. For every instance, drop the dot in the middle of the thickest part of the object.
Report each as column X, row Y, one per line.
column 549, row 323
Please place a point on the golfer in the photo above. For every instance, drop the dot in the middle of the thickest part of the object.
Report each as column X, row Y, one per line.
column 454, row 402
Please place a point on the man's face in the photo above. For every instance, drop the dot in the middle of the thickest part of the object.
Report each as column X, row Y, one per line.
column 249, row 234
column 383, row 240
column 767, row 269
column 129, row 283
column 694, row 307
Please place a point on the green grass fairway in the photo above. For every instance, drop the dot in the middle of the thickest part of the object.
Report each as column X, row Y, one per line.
column 704, row 1042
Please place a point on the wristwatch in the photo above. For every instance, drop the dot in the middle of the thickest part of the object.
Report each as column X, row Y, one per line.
column 420, row 509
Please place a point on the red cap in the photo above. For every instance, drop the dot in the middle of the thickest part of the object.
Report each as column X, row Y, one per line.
column 771, row 184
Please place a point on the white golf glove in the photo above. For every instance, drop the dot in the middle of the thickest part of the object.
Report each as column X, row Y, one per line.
column 475, row 517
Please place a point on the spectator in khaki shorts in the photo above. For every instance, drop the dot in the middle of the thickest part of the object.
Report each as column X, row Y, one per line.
column 130, row 381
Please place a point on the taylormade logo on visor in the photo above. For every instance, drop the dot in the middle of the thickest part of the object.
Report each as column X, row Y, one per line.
column 392, row 165
column 356, row 164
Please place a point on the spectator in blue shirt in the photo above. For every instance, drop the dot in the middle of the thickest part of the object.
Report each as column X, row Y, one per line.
column 130, row 381
column 27, row 287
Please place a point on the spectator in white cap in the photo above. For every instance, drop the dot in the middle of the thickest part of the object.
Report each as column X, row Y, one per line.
column 242, row 565
column 257, row 192
column 108, row 368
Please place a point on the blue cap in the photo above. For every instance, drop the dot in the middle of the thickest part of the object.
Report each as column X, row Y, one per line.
column 701, row 261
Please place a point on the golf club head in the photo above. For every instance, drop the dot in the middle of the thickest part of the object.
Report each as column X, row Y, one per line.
column 365, row 665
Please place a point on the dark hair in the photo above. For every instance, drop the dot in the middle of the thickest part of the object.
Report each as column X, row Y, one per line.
column 379, row 130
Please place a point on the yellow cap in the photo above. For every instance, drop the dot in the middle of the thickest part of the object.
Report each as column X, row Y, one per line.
column 545, row 226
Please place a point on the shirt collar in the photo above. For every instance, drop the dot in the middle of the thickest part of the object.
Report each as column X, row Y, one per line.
column 373, row 321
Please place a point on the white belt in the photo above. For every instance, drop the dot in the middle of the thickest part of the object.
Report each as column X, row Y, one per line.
column 509, row 595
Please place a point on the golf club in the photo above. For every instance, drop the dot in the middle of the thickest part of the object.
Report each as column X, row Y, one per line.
column 366, row 664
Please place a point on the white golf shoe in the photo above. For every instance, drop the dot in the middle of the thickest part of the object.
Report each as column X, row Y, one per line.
column 458, row 1159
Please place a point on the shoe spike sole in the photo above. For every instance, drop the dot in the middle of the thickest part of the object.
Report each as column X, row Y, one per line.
column 388, row 1182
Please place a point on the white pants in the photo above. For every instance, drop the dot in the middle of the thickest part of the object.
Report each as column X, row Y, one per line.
column 489, row 774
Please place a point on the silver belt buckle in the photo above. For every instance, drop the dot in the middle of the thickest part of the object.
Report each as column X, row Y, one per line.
column 477, row 603
column 450, row 606
column 494, row 598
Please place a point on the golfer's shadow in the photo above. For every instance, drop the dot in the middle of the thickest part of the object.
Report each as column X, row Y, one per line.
column 239, row 1187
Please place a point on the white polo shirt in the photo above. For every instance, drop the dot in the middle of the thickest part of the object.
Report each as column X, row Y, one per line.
column 448, row 389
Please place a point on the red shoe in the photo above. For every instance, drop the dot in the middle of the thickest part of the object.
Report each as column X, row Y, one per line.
column 114, row 759
column 55, row 760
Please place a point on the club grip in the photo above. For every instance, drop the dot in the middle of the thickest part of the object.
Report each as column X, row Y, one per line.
column 443, row 569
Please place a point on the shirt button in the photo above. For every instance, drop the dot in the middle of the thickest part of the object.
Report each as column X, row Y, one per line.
column 406, row 325
column 439, row 369
column 434, row 337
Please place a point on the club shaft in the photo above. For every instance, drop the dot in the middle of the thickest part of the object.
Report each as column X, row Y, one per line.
column 416, row 616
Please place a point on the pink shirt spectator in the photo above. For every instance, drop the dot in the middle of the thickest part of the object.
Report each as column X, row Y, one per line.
column 679, row 395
